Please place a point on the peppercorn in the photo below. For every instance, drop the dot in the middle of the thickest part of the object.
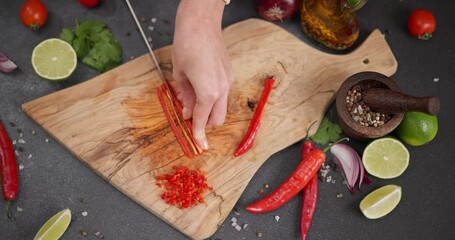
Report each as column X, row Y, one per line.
column 360, row 112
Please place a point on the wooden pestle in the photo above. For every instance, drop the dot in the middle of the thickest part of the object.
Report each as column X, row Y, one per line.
column 388, row 101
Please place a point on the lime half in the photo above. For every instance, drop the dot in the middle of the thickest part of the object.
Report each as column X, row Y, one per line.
column 54, row 59
column 55, row 226
column 385, row 158
column 381, row 201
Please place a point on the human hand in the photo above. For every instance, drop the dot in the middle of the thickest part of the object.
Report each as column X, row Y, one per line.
column 201, row 66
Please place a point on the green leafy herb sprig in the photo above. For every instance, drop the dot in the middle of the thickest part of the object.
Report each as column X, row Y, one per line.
column 94, row 44
column 327, row 132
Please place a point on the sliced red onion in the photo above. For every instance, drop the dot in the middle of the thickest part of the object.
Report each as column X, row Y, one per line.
column 6, row 65
column 349, row 161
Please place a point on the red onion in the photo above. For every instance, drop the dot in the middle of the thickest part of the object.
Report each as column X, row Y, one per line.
column 351, row 164
column 277, row 10
column 6, row 65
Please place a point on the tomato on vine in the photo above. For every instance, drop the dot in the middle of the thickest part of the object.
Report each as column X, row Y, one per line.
column 33, row 14
column 421, row 24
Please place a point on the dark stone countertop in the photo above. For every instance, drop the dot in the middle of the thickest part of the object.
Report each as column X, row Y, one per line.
column 53, row 179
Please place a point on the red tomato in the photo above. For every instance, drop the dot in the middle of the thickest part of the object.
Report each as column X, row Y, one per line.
column 33, row 14
column 421, row 24
column 89, row 3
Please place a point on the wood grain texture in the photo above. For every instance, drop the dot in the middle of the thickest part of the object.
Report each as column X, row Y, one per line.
column 115, row 125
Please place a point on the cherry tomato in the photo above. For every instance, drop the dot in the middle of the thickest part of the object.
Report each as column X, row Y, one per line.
column 421, row 24
column 33, row 14
column 89, row 3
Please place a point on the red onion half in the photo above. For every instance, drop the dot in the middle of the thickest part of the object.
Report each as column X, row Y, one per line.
column 277, row 10
column 6, row 65
column 351, row 164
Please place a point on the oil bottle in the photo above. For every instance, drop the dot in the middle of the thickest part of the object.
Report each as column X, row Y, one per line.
column 331, row 22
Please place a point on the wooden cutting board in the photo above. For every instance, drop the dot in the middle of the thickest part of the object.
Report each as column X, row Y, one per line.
column 115, row 125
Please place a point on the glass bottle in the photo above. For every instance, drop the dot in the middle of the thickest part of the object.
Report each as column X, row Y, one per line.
column 331, row 22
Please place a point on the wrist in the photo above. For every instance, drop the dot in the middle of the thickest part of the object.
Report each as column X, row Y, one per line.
column 205, row 11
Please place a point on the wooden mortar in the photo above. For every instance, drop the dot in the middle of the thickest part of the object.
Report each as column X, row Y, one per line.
column 365, row 80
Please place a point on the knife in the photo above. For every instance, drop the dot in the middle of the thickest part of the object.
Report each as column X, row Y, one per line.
column 181, row 121
column 155, row 61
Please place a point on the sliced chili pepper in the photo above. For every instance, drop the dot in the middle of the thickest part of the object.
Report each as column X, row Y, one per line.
column 310, row 197
column 8, row 169
column 182, row 129
column 306, row 170
column 250, row 135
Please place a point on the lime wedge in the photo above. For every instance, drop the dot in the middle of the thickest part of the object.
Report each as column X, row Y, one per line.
column 55, row 227
column 381, row 201
column 54, row 59
column 385, row 158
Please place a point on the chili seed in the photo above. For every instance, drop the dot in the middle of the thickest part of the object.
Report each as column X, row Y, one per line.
column 261, row 191
column 259, row 234
column 83, row 233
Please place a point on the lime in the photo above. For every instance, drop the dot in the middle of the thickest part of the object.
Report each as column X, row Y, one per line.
column 55, row 226
column 54, row 59
column 381, row 201
column 417, row 128
column 385, row 158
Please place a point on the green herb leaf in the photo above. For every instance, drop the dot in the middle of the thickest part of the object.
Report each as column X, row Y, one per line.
column 67, row 35
column 94, row 44
column 327, row 132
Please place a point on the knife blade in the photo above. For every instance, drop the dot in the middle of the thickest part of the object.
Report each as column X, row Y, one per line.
column 152, row 54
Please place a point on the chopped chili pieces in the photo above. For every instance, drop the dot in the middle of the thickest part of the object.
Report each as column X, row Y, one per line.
column 183, row 188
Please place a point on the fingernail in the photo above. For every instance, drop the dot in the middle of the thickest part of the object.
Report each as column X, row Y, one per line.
column 186, row 113
column 205, row 144
column 202, row 140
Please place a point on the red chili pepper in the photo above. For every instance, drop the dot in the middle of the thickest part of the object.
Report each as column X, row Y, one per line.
column 250, row 135
column 8, row 169
column 310, row 197
column 310, row 192
column 306, row 170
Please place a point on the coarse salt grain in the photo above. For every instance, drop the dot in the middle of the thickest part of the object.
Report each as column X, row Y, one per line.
column 245, row 225
column 21, row 166
column 16, row 152
column 30, row 156
column 19, row 209
column 149, row 39
column 277, row 218
column 233, row 224
column 153, row 20
column 233, row 219
column 99, row 235
column 436, row 79
column 22, row 141
column 151, row 28
column 84, row 213
column 14, row 142
column 238, row 227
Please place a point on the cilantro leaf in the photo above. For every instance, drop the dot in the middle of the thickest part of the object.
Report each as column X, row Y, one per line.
column 67, row 35
column 94, row 44
column 327, row 132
